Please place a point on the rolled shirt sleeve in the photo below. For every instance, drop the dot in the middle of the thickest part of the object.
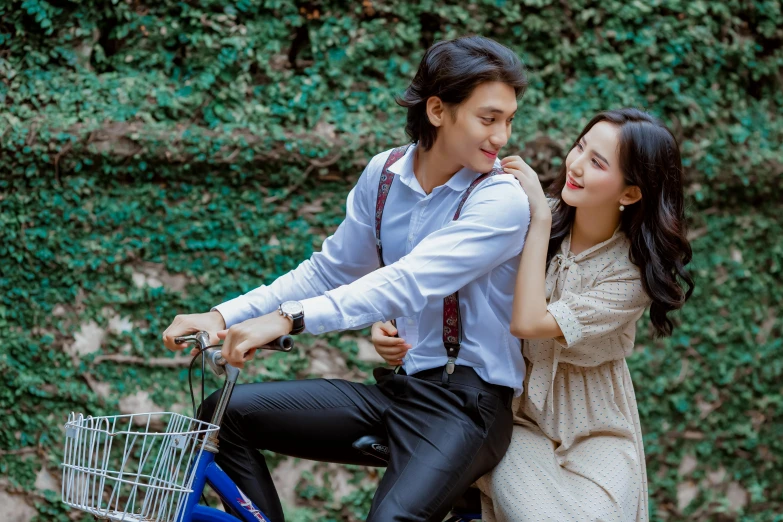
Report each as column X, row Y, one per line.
column 491, row 230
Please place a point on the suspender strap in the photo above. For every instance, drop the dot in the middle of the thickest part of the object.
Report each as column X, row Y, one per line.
column 452, row 323
column 384, row 185
column 452, row 320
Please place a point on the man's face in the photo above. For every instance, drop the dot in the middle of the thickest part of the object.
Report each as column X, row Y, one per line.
column 473, row 132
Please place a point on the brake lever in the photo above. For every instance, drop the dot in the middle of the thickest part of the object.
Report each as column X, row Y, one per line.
column 283, row 343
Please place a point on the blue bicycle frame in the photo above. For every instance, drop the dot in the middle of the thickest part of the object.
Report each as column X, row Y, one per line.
column 207, row 471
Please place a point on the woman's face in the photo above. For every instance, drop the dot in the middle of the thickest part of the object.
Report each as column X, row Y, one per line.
column 593, row 177
column 480, row 126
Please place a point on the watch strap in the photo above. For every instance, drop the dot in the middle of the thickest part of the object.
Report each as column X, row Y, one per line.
column 297, row 320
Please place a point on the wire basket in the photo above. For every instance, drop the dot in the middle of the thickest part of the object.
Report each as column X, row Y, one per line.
column 132, row 468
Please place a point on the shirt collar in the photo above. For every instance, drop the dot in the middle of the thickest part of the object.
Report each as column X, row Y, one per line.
column 458, row 182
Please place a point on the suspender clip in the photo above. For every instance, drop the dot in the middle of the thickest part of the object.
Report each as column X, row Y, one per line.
column 450, row 365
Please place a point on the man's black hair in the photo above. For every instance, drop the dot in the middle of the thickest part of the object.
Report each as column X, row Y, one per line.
column 451, row 70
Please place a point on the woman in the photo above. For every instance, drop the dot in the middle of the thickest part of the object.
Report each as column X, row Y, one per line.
column 609, row 243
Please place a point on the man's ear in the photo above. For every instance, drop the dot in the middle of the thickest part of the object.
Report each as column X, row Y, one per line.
column 436, row 111
column 631, row 195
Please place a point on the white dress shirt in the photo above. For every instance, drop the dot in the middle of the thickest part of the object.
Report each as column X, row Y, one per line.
column 428, row 256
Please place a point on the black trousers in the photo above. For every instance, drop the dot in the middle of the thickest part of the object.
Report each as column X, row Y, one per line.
column 442, row 435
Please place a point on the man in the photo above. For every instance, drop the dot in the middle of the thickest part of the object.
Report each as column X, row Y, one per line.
column 447, row 226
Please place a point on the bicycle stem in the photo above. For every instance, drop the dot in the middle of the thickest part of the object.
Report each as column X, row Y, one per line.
column 219, row 366
column 232, row 374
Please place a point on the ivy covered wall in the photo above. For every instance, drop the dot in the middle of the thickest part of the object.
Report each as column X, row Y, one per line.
column 160, row 157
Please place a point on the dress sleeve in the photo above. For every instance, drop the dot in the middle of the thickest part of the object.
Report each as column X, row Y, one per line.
column 603, row 312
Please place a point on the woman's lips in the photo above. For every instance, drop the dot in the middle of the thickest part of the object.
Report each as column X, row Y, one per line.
column 572, row 185
column 490, row 155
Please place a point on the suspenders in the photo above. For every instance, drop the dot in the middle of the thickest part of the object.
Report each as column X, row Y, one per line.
column 384, row 185
column 452, row 323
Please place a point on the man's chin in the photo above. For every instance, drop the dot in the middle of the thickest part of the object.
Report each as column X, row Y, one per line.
column 483, row 165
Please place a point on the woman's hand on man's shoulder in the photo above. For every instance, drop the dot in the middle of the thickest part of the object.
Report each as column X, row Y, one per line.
column 528, row 179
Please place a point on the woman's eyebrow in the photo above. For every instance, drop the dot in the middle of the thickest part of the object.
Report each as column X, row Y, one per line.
column 597, row 154
column 601, row 158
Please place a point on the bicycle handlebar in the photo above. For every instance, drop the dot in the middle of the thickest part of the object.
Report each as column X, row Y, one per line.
column 215, row 358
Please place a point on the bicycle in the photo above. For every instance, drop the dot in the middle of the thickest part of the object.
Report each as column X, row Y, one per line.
column 159, row 476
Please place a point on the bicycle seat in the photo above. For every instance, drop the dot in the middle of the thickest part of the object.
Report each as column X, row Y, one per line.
column 374, row 446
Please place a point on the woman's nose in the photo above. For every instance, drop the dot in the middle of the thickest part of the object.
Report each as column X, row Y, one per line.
column 576, row 167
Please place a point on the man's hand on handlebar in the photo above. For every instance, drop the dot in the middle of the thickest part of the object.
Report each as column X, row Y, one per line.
column 241, row 341
column 186, row 324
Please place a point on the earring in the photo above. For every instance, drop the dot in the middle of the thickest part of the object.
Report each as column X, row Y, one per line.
column 622, row 207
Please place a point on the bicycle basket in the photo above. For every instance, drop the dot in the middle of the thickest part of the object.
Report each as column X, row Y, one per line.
column 132, row 468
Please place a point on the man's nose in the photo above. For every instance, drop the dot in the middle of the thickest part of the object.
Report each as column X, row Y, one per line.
column 498, row 139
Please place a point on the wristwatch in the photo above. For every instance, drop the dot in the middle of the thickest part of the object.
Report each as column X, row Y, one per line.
column 294, row 311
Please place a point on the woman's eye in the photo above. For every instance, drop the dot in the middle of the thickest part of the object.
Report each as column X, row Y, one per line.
column 510, row 120
column 488, row 120
column 579, row 146
column 595, row 162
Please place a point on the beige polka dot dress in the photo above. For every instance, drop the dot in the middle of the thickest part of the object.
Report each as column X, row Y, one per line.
column 576, row 452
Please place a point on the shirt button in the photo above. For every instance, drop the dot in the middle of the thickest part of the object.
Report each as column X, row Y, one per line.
column 411, row 321
column 321, row 328
column 410, row 237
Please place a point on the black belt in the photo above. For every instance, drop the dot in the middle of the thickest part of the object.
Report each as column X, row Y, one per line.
column 464, row 375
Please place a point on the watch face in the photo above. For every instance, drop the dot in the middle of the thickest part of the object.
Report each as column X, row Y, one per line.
column 292, row 308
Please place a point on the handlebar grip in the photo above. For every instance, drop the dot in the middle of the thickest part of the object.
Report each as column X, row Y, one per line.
column 284, row 343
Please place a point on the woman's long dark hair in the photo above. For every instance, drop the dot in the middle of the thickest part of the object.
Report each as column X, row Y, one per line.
column 650, row 159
